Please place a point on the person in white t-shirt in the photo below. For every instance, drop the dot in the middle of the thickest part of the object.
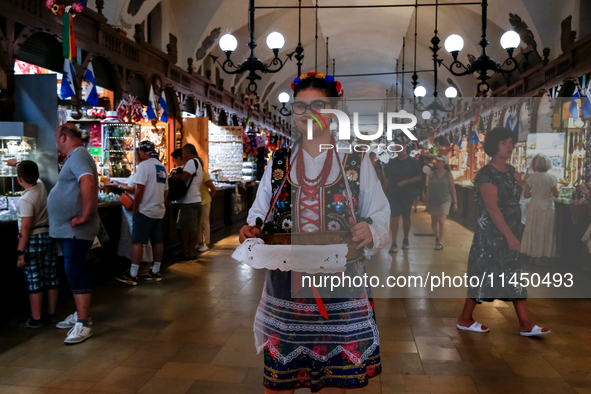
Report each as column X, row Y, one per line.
column 125, row 247
column 37, row 254
column 151, row 190
column 189, row 217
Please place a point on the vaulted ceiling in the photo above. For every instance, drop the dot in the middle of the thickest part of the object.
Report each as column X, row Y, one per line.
column 366, row 40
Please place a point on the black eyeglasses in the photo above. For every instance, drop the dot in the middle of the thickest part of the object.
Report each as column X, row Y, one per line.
column 299, row 107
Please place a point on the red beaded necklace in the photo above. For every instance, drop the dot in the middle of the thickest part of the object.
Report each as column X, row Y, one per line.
column 303, row 180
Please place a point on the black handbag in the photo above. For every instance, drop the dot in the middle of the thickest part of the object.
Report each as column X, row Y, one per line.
column 178, row 189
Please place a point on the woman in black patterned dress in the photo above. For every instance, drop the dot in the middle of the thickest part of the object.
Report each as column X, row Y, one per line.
column 494, row 255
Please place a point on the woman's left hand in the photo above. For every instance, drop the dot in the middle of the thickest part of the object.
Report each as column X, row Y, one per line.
column 361, row 233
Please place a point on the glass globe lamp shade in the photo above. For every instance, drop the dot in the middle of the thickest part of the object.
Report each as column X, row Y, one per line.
column 275, row 40
column 420, row 91
column 454, row 43
column 228, row 43
column 510, row 40
column 283, row 97
column 451, row 92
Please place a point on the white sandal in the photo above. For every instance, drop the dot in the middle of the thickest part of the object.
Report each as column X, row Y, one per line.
column 475, row 327
column 536, row 331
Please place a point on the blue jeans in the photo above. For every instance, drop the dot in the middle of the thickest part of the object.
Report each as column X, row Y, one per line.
column 76, row 253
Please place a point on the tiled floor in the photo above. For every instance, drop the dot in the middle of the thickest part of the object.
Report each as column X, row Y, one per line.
column 192, row 333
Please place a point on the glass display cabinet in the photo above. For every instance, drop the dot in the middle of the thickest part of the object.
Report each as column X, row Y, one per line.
column 225, row 152
column 19, row 148
column 119, row 143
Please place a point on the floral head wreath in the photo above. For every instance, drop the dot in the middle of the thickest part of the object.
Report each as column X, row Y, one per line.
column 327, row 78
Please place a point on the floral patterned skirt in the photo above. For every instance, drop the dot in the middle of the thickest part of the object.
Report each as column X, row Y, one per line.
column 306, row 372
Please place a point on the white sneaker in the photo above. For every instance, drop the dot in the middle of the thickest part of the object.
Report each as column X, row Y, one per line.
column 78, row 334
column 203, row 248
column 70, row 321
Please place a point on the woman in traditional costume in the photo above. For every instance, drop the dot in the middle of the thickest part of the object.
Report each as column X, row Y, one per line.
column 315, row 340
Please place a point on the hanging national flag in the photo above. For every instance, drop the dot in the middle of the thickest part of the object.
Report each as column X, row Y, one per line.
column 67, row 89
column 68, row 40
column 247, row 120
column 458, row 141
column 164, row 114
column 248, row 117
column 151, row 105
column 511, row 123
column 474, row 137
column 91, row 96
column 574, row 106
column 586, row 108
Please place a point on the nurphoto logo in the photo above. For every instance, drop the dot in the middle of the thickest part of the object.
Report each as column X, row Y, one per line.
column 344, row 133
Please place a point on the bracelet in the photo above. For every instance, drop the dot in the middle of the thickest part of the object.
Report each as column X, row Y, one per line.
column 20, row 252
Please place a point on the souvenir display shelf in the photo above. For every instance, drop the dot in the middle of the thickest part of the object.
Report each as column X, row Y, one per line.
column 574, row 154
column 518, row 158
column 225, row 153
column 552, row 145
column 159, row 136
column 119, row 142
column 19, row 148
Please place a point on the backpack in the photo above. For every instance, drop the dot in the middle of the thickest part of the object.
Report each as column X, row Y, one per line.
column 178, row 189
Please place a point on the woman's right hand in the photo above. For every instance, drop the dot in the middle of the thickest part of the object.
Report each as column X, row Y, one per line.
column 248, row 232
column 514, row 243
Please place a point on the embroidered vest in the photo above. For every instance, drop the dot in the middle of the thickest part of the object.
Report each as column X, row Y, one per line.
column 334, row 205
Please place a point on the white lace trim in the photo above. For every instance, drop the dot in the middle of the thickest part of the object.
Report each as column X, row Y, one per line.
column 311, row 259
column 320, row 328
column 314, row 307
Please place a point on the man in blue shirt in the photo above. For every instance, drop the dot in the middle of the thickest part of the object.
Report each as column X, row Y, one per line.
column 72, row 206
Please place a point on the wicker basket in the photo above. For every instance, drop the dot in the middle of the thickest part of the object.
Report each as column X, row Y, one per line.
column 317, row 238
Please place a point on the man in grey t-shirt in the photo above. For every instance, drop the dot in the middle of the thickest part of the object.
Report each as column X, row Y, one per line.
column 74, row 222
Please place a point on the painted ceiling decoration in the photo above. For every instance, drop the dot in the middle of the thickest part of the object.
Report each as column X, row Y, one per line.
column 208, row 43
